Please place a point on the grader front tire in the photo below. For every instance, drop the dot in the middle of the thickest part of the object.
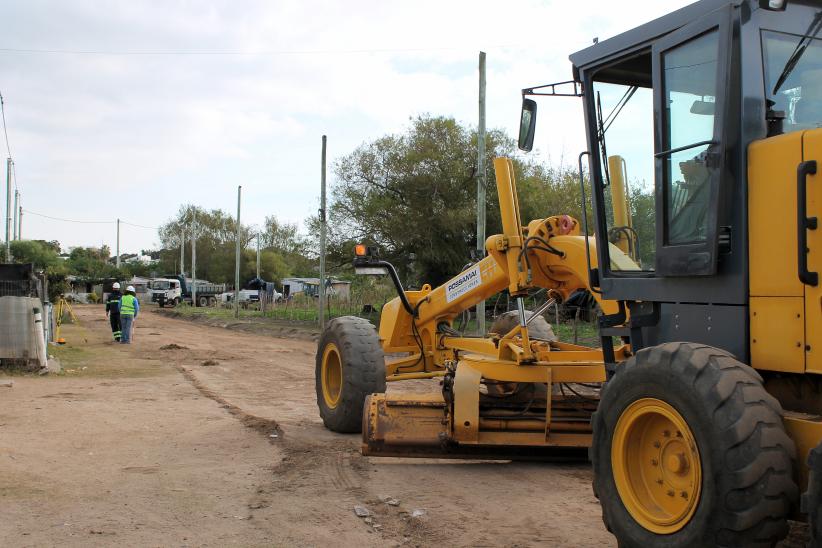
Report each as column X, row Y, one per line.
column 690, row 450
column 350, row 366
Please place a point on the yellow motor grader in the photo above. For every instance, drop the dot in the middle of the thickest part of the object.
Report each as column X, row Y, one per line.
column 704, row 139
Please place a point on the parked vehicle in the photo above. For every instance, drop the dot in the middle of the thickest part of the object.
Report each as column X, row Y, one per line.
column 165, row 291
column 246, row 296
column 177, row 289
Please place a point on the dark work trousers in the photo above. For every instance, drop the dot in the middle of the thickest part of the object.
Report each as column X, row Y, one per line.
column 114, row 318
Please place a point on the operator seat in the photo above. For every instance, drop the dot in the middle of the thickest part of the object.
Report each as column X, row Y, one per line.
column 808, row 110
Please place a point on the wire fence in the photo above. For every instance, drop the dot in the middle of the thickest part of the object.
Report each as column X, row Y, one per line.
column 573, row 321
column 20, row 288
column 306, row 309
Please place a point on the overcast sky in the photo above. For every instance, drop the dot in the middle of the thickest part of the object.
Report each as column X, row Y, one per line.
column 131, row 108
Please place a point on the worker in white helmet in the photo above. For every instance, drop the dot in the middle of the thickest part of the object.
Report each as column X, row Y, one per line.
column 113, row 310
column 129, row 308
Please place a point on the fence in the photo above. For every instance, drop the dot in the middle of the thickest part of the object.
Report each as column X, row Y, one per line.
column 302, row 308
column 20, row 288
column 573, row 321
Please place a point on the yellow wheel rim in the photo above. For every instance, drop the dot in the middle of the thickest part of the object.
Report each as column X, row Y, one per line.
column 656, row 464
column 331, row 375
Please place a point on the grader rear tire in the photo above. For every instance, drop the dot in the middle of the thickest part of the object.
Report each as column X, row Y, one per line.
column 690, row 450
column 350, row 366
column 812, row 498
column 539, row 328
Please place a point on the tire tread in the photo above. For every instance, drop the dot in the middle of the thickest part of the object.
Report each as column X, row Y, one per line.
column 754, row 471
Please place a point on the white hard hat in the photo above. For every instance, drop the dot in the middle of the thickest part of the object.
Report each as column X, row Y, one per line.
column 115, row 285
column 130, row 288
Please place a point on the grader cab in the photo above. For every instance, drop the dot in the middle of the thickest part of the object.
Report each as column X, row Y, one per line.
column 702, row 410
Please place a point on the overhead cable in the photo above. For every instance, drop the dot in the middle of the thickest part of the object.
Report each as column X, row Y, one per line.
column 67, row 220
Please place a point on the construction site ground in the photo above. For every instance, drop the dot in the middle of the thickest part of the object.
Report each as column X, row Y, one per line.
column 197, row 435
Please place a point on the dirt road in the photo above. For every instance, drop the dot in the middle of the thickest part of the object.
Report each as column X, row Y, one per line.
column 219, row 443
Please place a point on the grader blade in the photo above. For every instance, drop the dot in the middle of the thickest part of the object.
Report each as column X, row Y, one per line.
column 419, row 426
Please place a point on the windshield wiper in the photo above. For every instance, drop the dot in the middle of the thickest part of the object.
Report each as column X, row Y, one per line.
column 803, row 44
column 604, row 125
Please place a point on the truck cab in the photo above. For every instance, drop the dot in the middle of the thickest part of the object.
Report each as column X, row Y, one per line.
column 165, row 291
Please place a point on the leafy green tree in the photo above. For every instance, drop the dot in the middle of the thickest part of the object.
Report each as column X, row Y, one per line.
column 414, row 196
column 42, row 254
column 216, row 233
column 282, row 237
column 91, row 263
column 283, row 249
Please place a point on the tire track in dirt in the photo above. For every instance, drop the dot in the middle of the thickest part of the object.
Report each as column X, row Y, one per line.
column 309, row 466
column 267, row 427
column 322, row 475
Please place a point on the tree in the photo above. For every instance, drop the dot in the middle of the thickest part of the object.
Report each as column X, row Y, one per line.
column 216, row 233
column 38, row 252
column 282, row 237
column 414, row 195
column 91, row 263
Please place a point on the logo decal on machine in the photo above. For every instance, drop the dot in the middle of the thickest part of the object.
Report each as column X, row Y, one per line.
column 462, row 284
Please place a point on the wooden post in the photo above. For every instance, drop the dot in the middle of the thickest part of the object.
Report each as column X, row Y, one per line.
column 8, row 210
column 322, row 238
column 117, row 247
column 481, row 185
column 182, row 253
column 193, row 259
column 237, row 258
column 15, row 210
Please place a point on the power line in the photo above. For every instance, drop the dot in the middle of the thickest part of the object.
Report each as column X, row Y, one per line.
column 88, row 222
column 122, row 222
column 67, row 220
column 241, row 53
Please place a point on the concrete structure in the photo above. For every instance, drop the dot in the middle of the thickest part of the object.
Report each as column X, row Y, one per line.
column 22, row 338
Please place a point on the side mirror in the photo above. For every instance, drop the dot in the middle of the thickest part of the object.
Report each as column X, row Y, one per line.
column 527, row 125
column 367, row 262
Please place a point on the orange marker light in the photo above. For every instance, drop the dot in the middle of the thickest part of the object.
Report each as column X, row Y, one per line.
column 359, row 250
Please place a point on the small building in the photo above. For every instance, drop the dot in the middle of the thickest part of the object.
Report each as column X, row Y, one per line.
column 140, row 284
column 339, row 289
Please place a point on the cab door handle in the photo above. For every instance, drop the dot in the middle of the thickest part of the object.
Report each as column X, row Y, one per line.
column 805, row 223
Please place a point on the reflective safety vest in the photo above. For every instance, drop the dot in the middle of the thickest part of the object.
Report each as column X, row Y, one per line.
column 127, row 305
column 113, row 304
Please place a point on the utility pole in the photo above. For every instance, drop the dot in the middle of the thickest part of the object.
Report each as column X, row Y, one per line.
column 193, row 231
column 16, row 208
column 8, row 209
column 237, row 258
column 258, row 255
column 182, row 252
column 322, row 238
column 20, row 223
column 117, row 260
column 481, row 184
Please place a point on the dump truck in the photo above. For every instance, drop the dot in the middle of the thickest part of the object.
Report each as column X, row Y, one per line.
column 701, row 410
column 173, row 289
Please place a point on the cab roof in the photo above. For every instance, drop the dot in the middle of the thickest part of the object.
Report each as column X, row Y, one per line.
column 647, row 32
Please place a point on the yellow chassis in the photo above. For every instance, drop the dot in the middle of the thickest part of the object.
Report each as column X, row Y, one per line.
column 548, row 253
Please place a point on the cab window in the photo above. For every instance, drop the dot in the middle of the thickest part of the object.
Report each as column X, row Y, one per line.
column 689, row 81
column 799, row 93
column 625, row 110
